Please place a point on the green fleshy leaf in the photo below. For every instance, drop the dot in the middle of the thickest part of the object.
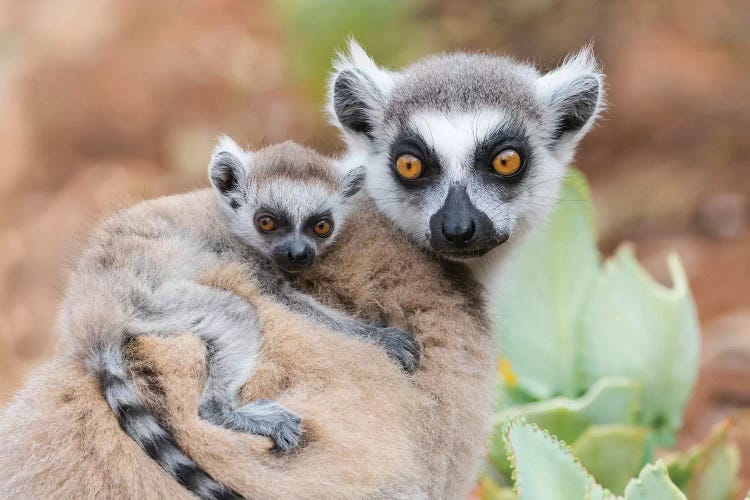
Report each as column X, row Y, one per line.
column 707, row 471
column 567, row 326
column 507, row 397
column 634, row 327
column 653, row 483
column 545, row 288
column 596, row 492
column 543, row 468
column 715, row 479
column 613, row 454
column 612, row 400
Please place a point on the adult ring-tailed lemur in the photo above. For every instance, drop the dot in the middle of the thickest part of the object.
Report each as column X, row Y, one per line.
column 463, row 154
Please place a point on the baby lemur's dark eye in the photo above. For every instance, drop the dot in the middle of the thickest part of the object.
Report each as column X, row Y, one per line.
column 323, row 227
column 507, row 163
column 266, row 223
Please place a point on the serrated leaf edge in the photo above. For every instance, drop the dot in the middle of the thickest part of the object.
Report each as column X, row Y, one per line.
column 571, row 404
column 564, row 448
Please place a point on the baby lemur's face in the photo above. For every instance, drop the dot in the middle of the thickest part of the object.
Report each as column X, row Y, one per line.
column 463, row 150
column 285, row 201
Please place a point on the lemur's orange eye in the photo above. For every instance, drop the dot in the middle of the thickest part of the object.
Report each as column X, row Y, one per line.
column 409, row 167
column 266, row 223
column 507, row 163
column 323, row 228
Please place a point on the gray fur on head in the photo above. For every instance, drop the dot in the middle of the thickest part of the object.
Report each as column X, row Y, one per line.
column 453, row 112
column 293, row 184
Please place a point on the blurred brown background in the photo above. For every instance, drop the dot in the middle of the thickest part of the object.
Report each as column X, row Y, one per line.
column 104, row 102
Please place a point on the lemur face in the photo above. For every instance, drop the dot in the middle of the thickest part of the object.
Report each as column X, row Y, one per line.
column 463, row 151
column 285, row 201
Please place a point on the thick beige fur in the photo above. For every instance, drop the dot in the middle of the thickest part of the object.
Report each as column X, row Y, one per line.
column 371, row 430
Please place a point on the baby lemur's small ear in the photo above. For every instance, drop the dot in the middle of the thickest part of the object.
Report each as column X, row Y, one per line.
column 574, row 92
column 352, row 181
column 227, row 170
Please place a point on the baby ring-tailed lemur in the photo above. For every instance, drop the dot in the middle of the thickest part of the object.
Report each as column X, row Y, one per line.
column 274, row 209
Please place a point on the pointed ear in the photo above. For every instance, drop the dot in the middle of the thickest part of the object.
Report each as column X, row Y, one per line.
column 574, row 93
column 352, row 181
column 357, row 91
column 228, row 172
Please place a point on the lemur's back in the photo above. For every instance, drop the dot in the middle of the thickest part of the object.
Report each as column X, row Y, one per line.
column 133, row 252
column 181, row 226
column 179, row 234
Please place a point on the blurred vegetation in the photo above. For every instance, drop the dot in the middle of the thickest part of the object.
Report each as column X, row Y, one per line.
column 315, row 30
column 545, row 468
column 599, row 356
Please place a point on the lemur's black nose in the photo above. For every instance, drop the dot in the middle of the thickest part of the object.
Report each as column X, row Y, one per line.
column 459, row 232
column 457, row 220
column 459, row 229
column 298, row 254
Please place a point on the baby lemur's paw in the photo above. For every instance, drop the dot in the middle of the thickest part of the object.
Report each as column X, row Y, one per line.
column 262, row 417
column 398, row 344
column 272, row 420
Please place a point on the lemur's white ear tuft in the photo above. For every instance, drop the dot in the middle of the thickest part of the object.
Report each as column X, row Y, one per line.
column 228, row 170
column 357, row 90
column 574, row 92
column 227, row 144
column 355, row 58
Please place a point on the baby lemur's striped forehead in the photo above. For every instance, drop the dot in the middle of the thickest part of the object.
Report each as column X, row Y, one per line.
column 288, row 181
column 292, row 162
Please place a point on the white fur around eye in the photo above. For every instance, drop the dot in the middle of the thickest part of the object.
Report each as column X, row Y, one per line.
column 454, row 137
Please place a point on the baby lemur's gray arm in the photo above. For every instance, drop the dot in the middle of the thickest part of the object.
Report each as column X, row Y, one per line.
column 398, row 344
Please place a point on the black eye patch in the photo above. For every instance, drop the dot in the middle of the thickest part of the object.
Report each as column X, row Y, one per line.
column 313, row 219
column 409, row 142
column 282, row 219
column 497, row 141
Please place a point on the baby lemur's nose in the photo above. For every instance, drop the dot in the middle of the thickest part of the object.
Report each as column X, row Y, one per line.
column 298, row 253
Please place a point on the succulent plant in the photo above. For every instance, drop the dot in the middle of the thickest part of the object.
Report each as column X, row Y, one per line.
column 544, row 468
column 600, row 356
column 707, row 471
